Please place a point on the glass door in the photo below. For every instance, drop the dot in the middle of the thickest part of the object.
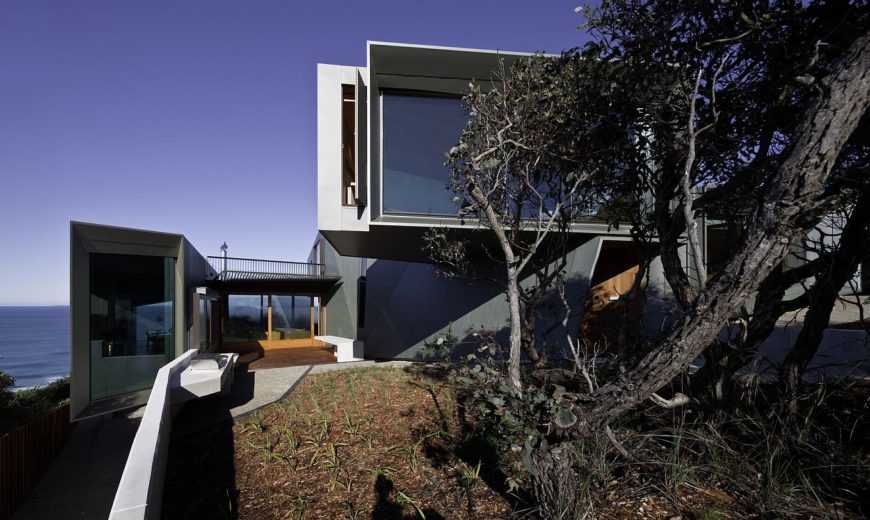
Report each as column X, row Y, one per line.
column 208, row 324
column 291, row 321
column 246, row 326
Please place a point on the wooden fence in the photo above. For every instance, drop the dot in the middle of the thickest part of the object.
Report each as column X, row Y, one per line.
column 25, row 453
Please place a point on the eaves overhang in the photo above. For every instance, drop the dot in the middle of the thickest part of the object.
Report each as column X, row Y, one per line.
column 266, row 283
column 387, row 59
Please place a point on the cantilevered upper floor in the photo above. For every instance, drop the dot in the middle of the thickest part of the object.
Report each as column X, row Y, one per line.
column 382, row 134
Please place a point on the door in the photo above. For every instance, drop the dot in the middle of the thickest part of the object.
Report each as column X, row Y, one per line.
column 612, row 319
column 206, row 322
column 292, row 321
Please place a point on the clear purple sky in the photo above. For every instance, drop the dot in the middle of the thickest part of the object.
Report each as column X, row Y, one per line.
column 194, row 117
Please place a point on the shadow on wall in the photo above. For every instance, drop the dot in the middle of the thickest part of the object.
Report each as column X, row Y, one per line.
column 602, row 328
column 407, row 304
column 841, row 353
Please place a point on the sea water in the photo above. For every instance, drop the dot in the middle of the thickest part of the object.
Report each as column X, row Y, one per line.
column 34, row 344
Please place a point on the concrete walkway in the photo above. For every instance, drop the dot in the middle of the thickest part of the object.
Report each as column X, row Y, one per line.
column 252, row 390
column 82, row 480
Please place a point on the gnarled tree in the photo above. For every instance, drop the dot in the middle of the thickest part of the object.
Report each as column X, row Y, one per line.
column 754, row 102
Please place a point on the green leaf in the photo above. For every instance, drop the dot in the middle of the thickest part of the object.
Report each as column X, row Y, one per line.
column 498, row 402
column 564, row 418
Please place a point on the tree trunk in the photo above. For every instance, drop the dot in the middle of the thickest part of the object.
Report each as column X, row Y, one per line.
column 784, row 213
column 513, row 289
column 767, row 309
column 722, row 387
column 530, row 311
column 823, row 295
column 513, row 294
column 669, row 228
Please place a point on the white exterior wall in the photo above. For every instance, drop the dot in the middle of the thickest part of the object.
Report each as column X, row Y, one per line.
column 331, row 214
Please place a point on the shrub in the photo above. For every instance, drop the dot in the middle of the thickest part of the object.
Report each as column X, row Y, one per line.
column 18, row 407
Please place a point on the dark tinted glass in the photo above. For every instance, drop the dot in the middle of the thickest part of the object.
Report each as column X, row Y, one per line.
column 132, row 326
column 132, row 301
column 417, row 133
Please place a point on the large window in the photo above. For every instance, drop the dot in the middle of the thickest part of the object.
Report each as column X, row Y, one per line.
column 291, row 317
column 418, row 130
column 247, row 318
column 132, row 327
column 269, row 321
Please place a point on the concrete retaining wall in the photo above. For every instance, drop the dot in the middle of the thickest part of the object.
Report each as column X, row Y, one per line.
column 141, row 488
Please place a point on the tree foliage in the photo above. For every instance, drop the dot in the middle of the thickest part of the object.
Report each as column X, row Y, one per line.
column 758, row 106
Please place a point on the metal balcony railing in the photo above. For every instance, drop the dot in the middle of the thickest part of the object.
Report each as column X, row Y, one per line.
column 232, row 268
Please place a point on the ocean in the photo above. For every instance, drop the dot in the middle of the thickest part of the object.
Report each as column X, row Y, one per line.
column 34, row 344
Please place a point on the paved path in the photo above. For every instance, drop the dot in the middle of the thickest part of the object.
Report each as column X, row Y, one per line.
column 82, row 480
column 252, row 390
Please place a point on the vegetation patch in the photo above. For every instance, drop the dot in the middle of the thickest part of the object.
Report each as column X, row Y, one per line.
column 17, row 407
column 432, row 442
column 759, row 460
column 361, row 443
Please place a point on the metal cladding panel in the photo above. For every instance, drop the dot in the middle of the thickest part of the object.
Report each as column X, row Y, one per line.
column 373, row 138
column 329, row 146
column 362, row 164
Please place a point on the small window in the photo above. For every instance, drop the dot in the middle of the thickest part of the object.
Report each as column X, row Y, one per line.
column 348, row 145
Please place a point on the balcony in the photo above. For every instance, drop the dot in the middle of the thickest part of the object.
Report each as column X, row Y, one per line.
column 252, row 275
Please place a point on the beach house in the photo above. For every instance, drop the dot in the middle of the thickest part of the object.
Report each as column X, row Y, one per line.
column 141, row 298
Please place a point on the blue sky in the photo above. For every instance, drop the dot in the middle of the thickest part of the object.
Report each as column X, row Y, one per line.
column 194, row 117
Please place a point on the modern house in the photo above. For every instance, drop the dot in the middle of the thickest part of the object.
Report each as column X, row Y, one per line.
column 141, row 298
column 382, row 132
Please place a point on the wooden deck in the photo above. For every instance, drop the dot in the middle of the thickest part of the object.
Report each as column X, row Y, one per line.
column 287, row 357
column 270, row 344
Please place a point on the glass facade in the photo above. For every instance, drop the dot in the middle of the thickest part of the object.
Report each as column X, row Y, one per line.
column 247, row 318
column 263, row 320
column 418, row 130
column 132, row 325
column 291, row 317
column 207, row 336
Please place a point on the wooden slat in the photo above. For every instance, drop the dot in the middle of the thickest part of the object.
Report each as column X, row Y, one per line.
column 25, row 454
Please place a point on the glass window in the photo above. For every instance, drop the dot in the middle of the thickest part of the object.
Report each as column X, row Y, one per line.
column 291, row 317
column 417, row 133
column 247, row 318
column 207, row 341
column 132, row 326
column 348, row 145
